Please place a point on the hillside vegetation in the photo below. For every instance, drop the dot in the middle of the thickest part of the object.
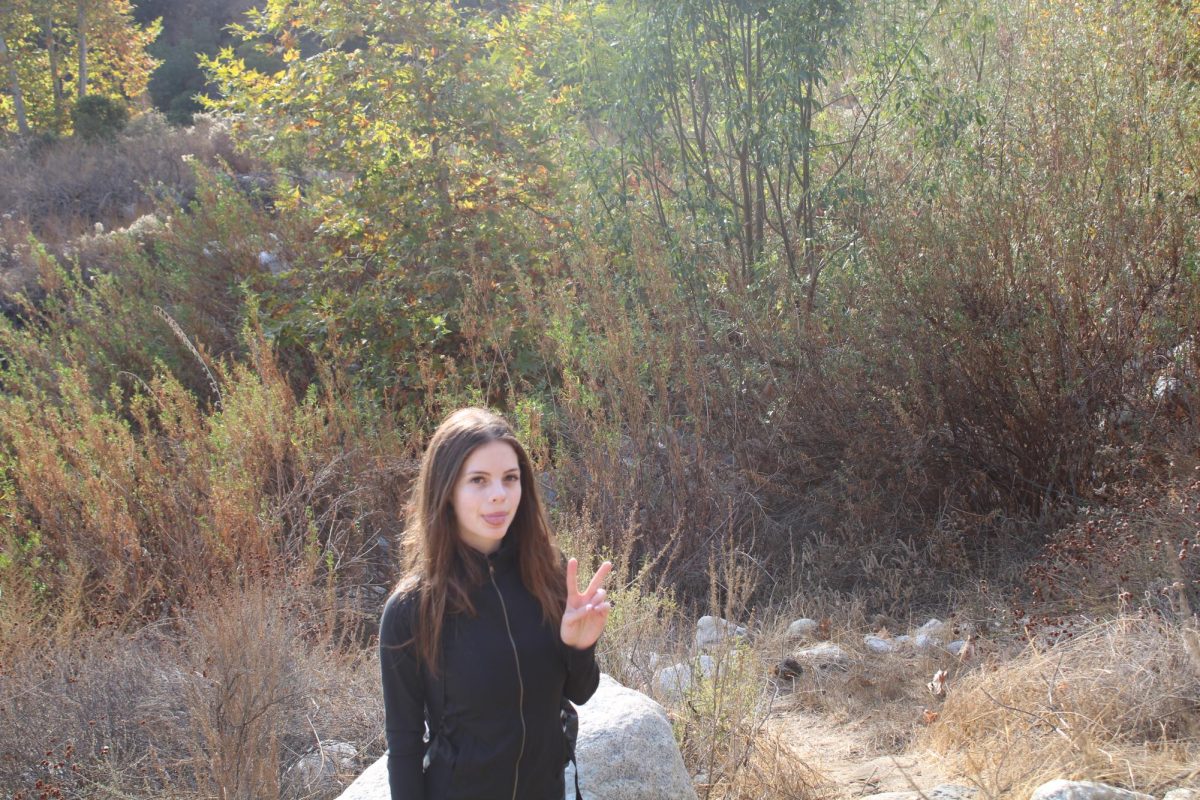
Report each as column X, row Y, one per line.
column 802, row 307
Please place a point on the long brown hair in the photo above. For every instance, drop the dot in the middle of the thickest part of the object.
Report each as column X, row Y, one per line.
column 439, row 565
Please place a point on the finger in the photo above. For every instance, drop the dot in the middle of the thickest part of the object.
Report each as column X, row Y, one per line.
column 596, row 597
column 572, row 579
column 598, row 578
column 599, row 604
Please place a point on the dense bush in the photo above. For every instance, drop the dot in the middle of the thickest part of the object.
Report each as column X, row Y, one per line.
column 96, row 117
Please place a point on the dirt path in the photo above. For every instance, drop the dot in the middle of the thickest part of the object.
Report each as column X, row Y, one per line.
column 844, row 760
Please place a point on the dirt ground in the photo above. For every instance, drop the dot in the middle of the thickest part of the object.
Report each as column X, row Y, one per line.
column 845, row 761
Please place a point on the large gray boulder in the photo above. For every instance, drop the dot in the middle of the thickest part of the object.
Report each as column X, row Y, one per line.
column 371, row 785
column 1084, row 790
column 626, row 751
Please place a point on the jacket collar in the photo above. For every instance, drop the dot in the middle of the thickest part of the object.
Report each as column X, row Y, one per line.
column 505, row 557
column 503, row 560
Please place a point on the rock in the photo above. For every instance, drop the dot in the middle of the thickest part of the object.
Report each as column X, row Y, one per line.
column 626, row 749
column 1084, row 790
column 787, row 669
column 272, row 262
column 956, row 647
column 803, row 628
column 714, row 630
column 673, row 682
column 933, row 628
column 321, row 766
column 1165, row 386
column 372, row 784
column 826, row 654
column 877, row 644
column 1182, row 794
column 924, row 641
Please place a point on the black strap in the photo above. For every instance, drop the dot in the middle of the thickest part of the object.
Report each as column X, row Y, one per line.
column 433, row 721
column 578, row 796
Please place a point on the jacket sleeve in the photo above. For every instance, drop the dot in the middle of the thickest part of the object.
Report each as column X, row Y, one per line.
column 403, row 699
column 583, row 674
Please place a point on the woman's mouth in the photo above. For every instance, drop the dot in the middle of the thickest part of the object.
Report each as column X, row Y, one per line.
column 495, row 519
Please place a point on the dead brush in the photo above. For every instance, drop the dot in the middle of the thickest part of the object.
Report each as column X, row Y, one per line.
column 720, row 720
column 772, row 772
column 1116, row 703
column 639, row 626
column 64, row 187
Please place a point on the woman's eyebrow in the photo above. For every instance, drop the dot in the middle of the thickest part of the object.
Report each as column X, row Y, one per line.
column 485, row 472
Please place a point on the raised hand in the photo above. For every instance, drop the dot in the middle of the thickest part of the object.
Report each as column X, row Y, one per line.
column 587, row 611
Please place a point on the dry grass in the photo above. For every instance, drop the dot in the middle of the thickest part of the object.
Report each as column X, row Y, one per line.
column 219, row 703
column 1116, row 703
column 63, row 187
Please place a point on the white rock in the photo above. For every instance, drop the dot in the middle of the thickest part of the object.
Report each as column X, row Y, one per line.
column 903, row 641
column 802, row 628
column 924, row 641
column 673, row 682
column 272, row 261
column 932, row 627
column 626, row 749
column 877, row 644
column 1084, row 790
column 956, row 646
column 714, row 630
column 1164, row 386
column 826, row 654
column 323, row 765
column 1182, row 794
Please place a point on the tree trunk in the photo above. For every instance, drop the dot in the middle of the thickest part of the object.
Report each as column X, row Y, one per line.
column 81, row 24
column 15, row 88
column 55, row 76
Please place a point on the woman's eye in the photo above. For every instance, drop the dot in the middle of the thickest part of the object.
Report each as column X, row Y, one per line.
column 478, row 479
column 512, row 478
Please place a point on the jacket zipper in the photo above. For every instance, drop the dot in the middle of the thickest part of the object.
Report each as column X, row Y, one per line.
column 520, row 680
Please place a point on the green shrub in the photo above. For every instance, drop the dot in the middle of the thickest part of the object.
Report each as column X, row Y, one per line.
column 96, row 117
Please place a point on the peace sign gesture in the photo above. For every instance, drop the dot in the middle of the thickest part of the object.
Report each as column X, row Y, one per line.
column 587, row 611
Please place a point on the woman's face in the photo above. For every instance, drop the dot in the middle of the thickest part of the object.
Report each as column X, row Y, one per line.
column 486, row 495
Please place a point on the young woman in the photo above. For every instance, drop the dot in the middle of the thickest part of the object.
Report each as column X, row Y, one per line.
column 487, row 632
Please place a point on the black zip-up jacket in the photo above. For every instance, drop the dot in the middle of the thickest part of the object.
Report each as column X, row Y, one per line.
column 504, row 673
